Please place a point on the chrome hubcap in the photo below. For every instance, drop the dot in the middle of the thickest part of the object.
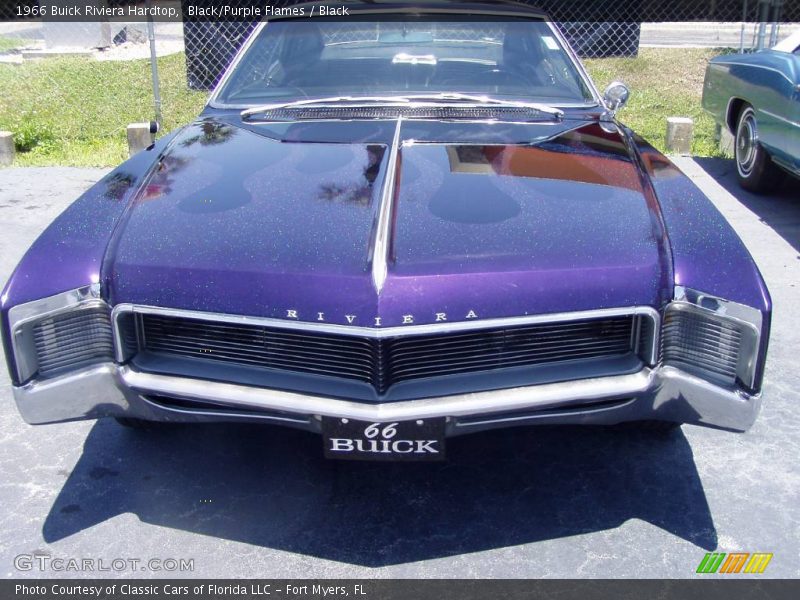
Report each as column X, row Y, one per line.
column 746, row 145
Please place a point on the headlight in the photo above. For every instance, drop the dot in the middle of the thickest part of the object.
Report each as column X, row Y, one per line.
column 60, row 333
column 712, row 338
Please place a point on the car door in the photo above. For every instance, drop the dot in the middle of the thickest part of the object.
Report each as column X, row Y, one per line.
column 778, row 104
column 794, row 111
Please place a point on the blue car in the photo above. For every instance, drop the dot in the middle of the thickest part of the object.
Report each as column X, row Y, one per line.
column 757, row 98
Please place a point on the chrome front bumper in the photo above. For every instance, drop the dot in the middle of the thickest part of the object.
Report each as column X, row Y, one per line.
column 663, row 393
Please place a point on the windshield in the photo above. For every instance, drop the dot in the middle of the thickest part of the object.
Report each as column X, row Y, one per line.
column 297, row 60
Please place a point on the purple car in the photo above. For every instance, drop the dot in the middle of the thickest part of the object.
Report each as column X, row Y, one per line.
column 390, row 229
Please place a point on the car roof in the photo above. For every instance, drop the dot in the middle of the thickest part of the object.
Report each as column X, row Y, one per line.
column 790, row 44
column 509, row 8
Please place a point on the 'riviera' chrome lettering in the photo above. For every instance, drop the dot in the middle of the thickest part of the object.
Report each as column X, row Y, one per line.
column 438, row 317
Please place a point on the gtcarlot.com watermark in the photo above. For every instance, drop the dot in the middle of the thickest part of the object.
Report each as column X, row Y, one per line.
column 71, row 564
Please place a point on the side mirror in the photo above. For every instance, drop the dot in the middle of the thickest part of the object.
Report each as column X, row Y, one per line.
column 616, row 95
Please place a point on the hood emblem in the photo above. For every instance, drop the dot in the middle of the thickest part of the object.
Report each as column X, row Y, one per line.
column 438, row 317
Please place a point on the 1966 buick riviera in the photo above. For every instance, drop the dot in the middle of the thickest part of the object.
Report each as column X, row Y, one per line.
column 389, row 230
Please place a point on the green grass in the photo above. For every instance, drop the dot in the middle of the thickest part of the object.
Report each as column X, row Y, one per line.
column 664, row 82
column 73, row 111
column 7, row 44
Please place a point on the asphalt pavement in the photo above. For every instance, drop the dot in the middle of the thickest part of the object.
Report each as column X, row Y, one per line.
column 257, row 501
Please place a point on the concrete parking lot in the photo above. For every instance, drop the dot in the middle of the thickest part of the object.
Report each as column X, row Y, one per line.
column 532, row 502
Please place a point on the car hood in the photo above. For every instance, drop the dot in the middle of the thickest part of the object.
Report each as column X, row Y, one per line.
column 488, row 220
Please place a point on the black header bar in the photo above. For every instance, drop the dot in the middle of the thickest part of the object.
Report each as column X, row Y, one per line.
column 711, row 588
column 630, row 11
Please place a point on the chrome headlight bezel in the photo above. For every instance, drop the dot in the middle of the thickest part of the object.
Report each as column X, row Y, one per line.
column 746, row 320
column 23, row 319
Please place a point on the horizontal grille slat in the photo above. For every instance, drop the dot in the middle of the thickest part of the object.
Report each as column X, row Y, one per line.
column 299, row 367
column 256, row 357
column 248, row 338
column 72, row 340
column 46, row 367
column 258, row 348
column 478, row 365
column 89, row 347
column 530, row 340
column 701, row 344
column 257, row 344
column 383, row 362
column 48, row 334
column 501, row 359
column 540, row 345
column 622, row 342
column 561, row 329
column 705, row 347
column 722, row 343
column 708, row 329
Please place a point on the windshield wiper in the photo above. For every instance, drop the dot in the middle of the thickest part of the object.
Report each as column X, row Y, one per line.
column 469, row 100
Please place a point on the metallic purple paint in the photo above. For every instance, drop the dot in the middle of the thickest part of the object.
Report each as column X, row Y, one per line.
column 707, row 254
column 235, row 222
column 69, row 253
column 264, row 221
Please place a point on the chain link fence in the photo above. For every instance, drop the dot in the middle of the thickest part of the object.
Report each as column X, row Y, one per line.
column 622, row 30
column 210, row 46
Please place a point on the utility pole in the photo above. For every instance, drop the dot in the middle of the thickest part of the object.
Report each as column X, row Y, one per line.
column 151, row 34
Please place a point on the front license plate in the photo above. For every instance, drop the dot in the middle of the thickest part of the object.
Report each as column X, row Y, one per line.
column 404, row 440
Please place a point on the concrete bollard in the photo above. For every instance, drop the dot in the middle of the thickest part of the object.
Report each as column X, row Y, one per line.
column 726, row 142
column 6, row 148
column 679, row 135
column 140, row 136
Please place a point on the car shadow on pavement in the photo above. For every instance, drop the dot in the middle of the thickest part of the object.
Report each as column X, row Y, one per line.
column 271, row 487
column 780, row 210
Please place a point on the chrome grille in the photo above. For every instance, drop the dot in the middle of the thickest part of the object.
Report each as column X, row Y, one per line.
column 431, row 356
column 384, row 362
column 337, row 356
column 72, row 340
column 701, row 344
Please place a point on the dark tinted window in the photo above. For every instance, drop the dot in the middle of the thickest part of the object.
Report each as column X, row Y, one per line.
column 306, row 59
